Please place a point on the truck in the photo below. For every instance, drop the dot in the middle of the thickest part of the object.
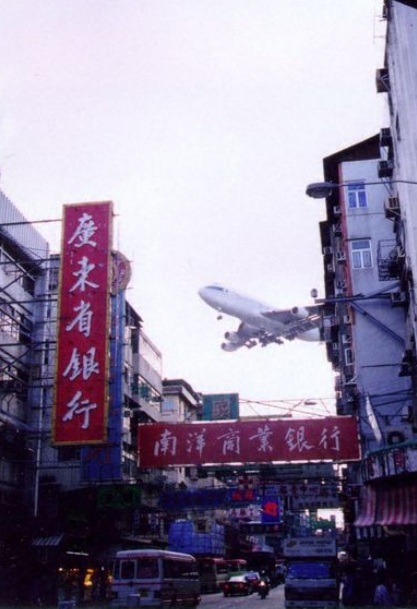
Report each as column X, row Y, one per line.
column 311, row 578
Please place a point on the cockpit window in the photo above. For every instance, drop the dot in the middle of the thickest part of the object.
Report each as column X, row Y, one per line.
column 217, row 287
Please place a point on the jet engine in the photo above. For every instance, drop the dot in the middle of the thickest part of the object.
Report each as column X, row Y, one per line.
column 300, row 312
column 229, row 347
column 233, row 337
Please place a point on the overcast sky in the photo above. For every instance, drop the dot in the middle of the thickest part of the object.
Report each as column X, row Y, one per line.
column 203, row 120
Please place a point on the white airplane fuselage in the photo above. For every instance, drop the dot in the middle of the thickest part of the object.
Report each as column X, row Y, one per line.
column 255, row 314
column 238, row 305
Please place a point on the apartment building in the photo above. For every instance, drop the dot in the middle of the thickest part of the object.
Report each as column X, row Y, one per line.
column 23, row 343
column 369, row 248
column 364, row 322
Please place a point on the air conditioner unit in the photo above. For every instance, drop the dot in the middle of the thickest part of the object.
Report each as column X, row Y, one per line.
column 393, row 203
column 10, row 269
column 385, row 138
column 400, row 251
column 392, row 207
column 397, row 298
column 395, row 436
column 382, row 80
column 340, row 256
column 385, row 169
column 407, row 414
column 327, row 251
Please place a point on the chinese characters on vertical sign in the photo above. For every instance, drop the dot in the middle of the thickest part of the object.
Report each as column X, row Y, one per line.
column 81, row 382
column 326, row 439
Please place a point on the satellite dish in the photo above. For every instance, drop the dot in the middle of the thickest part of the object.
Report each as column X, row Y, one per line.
column 314, row 293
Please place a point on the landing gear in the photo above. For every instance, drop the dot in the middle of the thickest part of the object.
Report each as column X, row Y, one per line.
column 265, row 339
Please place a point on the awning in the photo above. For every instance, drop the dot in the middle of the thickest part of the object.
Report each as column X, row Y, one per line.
column 51, row 541
column 387, row 505
column 367, row 505
column 397, row 505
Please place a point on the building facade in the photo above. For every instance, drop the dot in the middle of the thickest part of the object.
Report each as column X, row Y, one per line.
column 369, row 247
column 68, row 506
column 24, row 301
column 364, row 321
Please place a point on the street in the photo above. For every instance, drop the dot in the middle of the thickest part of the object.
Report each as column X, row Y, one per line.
column 274, row 600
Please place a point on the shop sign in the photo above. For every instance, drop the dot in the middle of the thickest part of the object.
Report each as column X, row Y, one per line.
column 264, row 440
column 118, row 497
column 220, row 406
column 121, row 272
column 82, row 368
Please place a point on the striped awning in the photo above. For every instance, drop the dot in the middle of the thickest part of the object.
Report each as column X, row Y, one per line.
column 51, row 541
column 397, row 505
column 367, row 505
column 387, row 505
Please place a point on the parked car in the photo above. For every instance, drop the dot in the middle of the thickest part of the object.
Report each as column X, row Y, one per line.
column 237, row 584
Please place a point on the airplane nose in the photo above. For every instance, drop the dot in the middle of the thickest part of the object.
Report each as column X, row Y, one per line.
column 202, row 293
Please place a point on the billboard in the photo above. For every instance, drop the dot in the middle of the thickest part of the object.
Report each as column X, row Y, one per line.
column 82, row 366
column 309, row 547
column 260, row 441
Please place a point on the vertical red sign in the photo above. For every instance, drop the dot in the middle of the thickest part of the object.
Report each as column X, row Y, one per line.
column 82, row 366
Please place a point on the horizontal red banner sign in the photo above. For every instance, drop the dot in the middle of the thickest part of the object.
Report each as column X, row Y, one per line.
column 260, row 441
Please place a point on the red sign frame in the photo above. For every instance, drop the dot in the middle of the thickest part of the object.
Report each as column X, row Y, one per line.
column 260, row 441
column 80, row 408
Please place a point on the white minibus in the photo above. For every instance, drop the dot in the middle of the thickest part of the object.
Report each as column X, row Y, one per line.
column 156, row 578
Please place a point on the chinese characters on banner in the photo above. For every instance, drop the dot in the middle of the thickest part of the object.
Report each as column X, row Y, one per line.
column 81, row 382
column 330, row 438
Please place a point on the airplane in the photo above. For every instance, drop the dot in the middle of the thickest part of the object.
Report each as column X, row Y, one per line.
column 261, row 323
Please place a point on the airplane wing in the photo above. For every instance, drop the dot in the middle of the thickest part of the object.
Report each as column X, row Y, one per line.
column 248, row 336
column 295, row 321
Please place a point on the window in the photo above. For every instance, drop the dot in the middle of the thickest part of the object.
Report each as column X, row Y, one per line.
column 361, row 253
column 168, row 405
column 127, row 569
column 356, row 195
column 147, row 568
column 348, row 357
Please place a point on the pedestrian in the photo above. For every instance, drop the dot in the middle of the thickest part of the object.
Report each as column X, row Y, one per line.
column 382, row 597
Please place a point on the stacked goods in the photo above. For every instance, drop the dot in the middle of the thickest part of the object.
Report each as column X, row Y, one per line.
column 183, row 537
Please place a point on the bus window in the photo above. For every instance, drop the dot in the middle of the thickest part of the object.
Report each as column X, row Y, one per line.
column 190, row 569
column 127, row 569
column 147, row 568
column 172, row 569
column 237, row 565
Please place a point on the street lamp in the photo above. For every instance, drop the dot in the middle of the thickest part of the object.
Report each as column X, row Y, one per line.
column 321, row 190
